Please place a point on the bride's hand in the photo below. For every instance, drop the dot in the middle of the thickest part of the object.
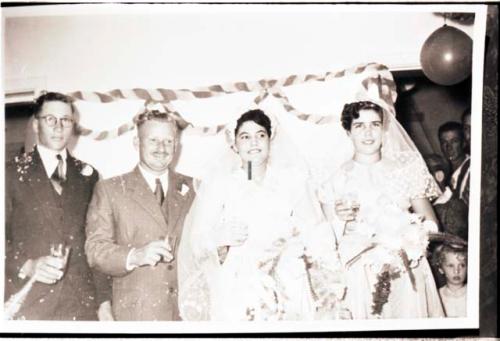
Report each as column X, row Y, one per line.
column 231, row 233
column 344, row 211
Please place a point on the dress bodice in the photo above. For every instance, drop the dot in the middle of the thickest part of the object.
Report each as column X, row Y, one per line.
column 396, row 181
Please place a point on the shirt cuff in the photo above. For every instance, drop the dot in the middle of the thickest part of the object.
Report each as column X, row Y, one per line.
column 22, row 272
column 128, row 266
column 445, row 197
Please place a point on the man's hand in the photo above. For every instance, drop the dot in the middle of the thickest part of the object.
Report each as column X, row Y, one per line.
column 151, row 254
column 46, row 269
column 105, row 313
column 231, row 233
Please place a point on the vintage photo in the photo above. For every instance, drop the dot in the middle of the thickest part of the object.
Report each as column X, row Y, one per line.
column 242, row 168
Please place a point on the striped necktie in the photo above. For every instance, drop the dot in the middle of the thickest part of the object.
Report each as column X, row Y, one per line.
column 58, row 176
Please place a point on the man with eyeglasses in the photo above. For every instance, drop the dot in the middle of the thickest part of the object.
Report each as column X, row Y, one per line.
column 135, row 221
column 47, row 195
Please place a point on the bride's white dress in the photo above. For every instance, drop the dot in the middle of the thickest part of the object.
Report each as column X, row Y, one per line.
column 263, row 279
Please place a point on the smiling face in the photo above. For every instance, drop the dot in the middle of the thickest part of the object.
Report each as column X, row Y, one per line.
column 57, row 137
column 452, row 145
column 252, row 143
column 366, row 133
column 156, row 142
column 454, row 268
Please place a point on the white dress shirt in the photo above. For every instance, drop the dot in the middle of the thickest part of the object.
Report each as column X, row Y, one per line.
column 151, row 179
column 50, row 161
column 456, row 174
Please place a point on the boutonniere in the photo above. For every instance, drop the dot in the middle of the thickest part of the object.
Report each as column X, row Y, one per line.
column 183, row 189
column 23, row 163
column 87, row 170
column 84, row 168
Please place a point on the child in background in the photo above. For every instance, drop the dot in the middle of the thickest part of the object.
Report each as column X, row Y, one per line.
column 452, row 263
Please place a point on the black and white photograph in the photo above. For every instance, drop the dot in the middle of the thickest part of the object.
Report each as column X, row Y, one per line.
column 249, row 168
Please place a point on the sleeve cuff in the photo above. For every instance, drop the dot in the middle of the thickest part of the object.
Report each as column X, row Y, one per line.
column 128, row 266
column 23, row 271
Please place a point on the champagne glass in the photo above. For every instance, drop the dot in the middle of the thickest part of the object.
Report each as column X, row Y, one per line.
column 61, row 251
column 349, row 205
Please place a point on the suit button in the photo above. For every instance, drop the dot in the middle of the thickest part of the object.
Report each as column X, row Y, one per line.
column 170, row 267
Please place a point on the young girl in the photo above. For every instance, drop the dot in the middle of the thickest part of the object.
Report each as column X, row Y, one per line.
column 452, row 263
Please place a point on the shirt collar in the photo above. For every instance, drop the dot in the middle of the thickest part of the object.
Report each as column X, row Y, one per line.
column 151, row 179
column 49, row 158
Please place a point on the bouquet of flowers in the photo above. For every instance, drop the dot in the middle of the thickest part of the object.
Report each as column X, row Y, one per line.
column 394, row 241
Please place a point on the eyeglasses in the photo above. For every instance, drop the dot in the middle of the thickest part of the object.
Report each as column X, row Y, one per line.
column 52, row 121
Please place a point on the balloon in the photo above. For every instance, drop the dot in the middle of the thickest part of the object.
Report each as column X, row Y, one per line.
column 446, row 56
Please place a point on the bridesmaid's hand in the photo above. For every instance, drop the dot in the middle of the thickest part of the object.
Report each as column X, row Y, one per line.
column 346, row 212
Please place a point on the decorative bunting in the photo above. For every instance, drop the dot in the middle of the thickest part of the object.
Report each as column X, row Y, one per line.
column 375, row 74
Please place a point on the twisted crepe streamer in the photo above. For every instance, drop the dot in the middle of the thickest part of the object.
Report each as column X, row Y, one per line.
column 381, row 75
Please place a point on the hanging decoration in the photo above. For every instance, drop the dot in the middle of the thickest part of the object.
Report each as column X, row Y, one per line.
column 446, row 56
column 375, row 73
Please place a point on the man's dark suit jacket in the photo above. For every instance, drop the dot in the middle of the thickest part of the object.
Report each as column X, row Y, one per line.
column 36, row 217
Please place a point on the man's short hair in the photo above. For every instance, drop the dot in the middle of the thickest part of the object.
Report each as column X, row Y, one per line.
column 155, row 115
column 451, row 126
column 52, row 97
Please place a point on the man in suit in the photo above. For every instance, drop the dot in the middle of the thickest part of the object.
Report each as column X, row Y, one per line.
column 452, row 206
column 47, row 192
column 135, row 221
column 453, row 145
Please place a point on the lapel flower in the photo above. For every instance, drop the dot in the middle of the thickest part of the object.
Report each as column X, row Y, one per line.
column 87, row 170
column 183, row 189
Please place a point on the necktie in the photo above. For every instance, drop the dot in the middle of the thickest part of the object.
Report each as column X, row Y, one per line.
column 58, row 177
column 159, row 192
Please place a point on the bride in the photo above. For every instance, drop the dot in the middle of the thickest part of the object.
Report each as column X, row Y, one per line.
column 243, row 251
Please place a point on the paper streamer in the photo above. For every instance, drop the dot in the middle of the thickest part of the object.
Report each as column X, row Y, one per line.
column 373, row 74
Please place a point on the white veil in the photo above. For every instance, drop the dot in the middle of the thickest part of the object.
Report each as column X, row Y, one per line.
column 196, row 263
column 397, row 145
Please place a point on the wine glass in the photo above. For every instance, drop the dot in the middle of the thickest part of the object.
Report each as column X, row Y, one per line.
column 61, row 251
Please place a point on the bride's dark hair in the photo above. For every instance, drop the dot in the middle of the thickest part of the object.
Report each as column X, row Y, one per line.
column 257, row 116
column 351, row 112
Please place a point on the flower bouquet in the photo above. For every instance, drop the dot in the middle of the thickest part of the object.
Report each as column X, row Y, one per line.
column 392, row 241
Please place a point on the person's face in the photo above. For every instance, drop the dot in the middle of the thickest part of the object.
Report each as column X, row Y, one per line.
column 452, row 145
column 252, row 143
column 366, row 132
column 156, row 142
column 439, row 176
column 454, row 268
column 466, row 125
column 54, row 137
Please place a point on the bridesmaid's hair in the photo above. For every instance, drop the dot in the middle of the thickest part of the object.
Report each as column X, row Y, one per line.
column 257, row 116
column 351, row 112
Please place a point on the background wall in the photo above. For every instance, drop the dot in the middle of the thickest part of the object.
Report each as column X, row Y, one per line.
column 98, row 48
column 183, row 46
